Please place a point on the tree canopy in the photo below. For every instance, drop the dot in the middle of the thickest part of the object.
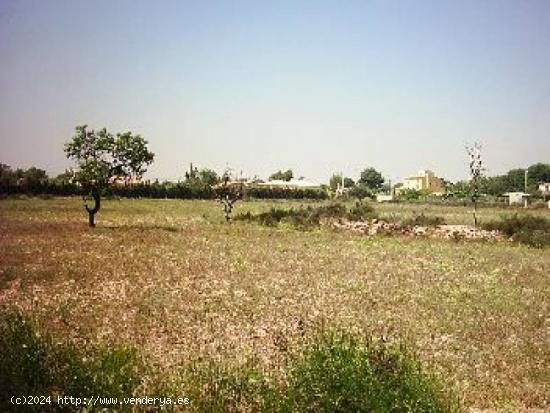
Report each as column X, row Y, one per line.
column 101, row 156
column 538, row 173
column 282, row 175
column 205, row 176
column 371, row 178
column 336, row 179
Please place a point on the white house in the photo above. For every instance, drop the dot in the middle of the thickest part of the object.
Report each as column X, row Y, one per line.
column 292, row 184
column 384, row 198
column 424, row 181
column 544, row 187
column 517, row 198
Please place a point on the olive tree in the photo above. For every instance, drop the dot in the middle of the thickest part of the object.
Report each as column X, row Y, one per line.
column 101, row 156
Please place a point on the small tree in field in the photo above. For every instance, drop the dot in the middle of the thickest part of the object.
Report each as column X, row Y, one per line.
column 100, row 157
column 228, row 193
column 476, row 174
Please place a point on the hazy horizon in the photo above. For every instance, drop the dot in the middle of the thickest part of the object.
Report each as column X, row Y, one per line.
column 318, row 87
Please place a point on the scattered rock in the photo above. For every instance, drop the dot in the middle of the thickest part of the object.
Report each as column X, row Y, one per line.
column 465, row 232
column 455, row 232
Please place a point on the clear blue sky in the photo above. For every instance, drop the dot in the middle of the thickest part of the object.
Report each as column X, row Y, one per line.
column 318, row 86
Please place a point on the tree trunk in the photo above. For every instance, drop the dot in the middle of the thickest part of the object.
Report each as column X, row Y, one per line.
column 475, row 214
column 95, row 209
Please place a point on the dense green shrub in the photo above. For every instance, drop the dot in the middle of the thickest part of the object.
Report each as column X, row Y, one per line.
column 160, row 190
column 424, row 220
column 310, row 217
column 32, row 363
column 304, row 218
column 27, row 366
column 335, row 372
column 342, row 373
column 221, row 387
column 536, row 238
column 286, row 193
column 526, row 229
column 408, row 194
column 361, row 211
column 361, row 191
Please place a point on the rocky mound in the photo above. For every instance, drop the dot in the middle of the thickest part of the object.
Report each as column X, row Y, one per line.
column 376, row 226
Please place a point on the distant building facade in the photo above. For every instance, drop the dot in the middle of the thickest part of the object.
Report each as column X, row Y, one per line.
column 292, row 184
column 424, row 181
column 544, row 188
column 384, row 197
column 125, row 180
column 517, row 198
column 256, row 183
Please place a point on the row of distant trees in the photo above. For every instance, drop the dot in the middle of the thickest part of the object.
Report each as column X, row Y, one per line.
column 369, row 177
column 511, row 181
column 198, row 182
column 198, row 185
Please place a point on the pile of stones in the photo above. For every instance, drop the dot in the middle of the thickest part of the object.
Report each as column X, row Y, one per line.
column 465, row 232
column 376, row 226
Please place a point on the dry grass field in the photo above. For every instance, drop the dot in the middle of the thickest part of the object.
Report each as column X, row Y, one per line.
column 174, row 280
